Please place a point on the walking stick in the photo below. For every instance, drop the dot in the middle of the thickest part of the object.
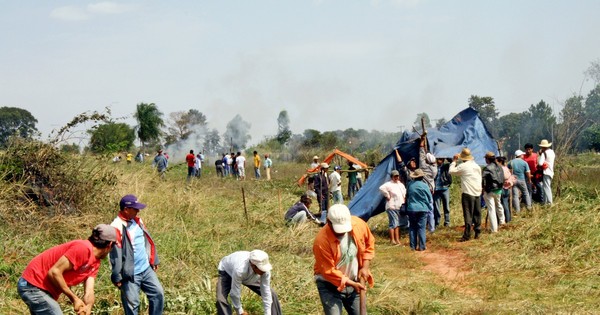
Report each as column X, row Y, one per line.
column 363, row 298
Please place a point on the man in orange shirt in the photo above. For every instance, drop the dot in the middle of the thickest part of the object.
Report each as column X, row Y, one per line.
column 343, row 252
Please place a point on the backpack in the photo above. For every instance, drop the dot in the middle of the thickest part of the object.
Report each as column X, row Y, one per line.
column 494, row 177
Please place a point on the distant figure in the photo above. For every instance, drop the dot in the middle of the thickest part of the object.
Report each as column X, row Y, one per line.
column 322, row 190
column 394, row 193
column 464, row 166
column 219, row 166
column 240, row 163
column 441, row 195
column 419, row 202
column 234, row 169
column 191, row 161
column 198, row 165
column 267, row 165
column 535, row 187
column 129, row 158
column 310, row 189
column 315, row 162
column 256, row 165
column 493, row 180
column 161, row 163
column 227, row 163
column 116, row 159
column 300, row 212
column 251, row 269
column 509, row 180
column 546, row 163
column 56, row 270
column 352, row 180
column 520, row 169
column 335, row 185
column 359, row 182
column 139, row 157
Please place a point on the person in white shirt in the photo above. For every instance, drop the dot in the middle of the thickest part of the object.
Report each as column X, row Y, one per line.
column 335, row 185
column 394, row 193
column 546, row 158
column 240, row 161
column 253, row 270
column 464, row 166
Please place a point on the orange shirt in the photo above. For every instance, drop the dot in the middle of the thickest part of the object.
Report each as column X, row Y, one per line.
column 326, row 249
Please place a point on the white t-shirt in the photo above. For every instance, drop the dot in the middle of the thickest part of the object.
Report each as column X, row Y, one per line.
column 240, row 160
column 335, row 182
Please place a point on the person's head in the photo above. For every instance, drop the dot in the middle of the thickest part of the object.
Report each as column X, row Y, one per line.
column 465, row 155
column 528, row 148
column 259, row 261
column 191, row 151
column 266, row 156
column 103, row 237
column 306, row 200
column 439, row 161
column 544, row 145
column 395, row 175
column 255, row 152
column 501, row 160
column 430, row 158
column 412, row 163
column 337, row 168
column 339, row 219
column 130, row 206
column 519, row 153
column 239, row 153
column 417, row 174
column 324, row 167
column 315, row 159
column 490, row 157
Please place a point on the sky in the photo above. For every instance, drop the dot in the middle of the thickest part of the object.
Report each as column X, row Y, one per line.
column 331, row 64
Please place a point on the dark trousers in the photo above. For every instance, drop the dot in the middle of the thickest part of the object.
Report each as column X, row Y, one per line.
column 224, row 287
column 506, row 205
column 472, row 214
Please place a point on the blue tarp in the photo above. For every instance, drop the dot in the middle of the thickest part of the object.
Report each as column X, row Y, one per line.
column 466, row 129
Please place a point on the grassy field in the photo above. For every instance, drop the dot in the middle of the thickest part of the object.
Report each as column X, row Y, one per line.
column 544, row 262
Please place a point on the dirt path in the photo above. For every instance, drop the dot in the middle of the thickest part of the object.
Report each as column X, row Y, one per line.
column 451, row 266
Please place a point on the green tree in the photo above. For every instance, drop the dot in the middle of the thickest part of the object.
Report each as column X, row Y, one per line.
column 283, row 127
column 72, row 148
column 486, row 108
column 591, row 137
column 16, row 122
column 212, row 141
column 510, row 129
column 426, row 122
column 593, row 71
column 237, row 132
column 150, row 121
column 312, row 138
column 111, row 137
column 538, row 124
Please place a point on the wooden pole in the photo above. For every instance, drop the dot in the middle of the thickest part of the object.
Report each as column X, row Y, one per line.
column 244, row 200
column 363, row 298
column 279, row 197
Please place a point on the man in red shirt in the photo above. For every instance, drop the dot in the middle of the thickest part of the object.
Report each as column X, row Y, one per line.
column 532, row 158
column 54, row 271
column 191, row 160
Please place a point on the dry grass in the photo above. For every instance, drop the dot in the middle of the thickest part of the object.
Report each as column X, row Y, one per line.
column 544, row 262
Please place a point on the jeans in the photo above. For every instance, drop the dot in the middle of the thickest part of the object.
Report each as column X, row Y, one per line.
column 472, row 214
column 441, row 199
column 224, row 287
column 495, row 210
column 333, row 300
column 506, row 205
column 257, row 172
column 148, row 282
column 337, row 197
column 351, row 190
column 547, row 185
column 300, row 217
column 38, row 300
column 416, row 230
column 520, row 186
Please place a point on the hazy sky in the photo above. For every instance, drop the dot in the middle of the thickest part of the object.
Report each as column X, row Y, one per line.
column 330, row 64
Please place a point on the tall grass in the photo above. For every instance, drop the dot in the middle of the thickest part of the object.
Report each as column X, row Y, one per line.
column 545, row 261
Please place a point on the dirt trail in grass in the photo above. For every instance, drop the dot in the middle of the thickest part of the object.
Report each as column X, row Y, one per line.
column 451, row 266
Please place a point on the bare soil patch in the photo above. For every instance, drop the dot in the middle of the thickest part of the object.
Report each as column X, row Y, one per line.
column 451, row 265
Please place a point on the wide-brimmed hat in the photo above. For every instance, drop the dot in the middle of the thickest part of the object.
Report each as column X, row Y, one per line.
column 340, row 217
column 490, row 155
column 315, row 157
column 418, row 173
column 465, row 154
column 545, row 144
column 324, row 165
column 261, row 260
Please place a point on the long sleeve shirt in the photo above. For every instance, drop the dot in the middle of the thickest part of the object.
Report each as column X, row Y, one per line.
column 470, row 177
column 394, row 193
column 237, row 266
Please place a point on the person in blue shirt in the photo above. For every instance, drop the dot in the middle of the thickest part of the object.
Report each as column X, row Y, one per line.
column 520, row 169
column 418, row 203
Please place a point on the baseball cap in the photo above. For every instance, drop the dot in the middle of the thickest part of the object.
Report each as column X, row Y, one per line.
column 519, row 153
column 105, row 232
column 337, row 167
column 341, row 220
column 261, row 260
column 395, row 173
column 131, row 201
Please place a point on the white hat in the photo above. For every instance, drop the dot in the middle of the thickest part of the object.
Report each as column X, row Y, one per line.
column 545, row 144
column 341, row 220
column 315, row 157
column 430, row 158
column 519, row 153
column 261, row 260
column 324, row 165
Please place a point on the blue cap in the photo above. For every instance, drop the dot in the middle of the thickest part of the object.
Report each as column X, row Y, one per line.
column 337, row 167
column 131, row 201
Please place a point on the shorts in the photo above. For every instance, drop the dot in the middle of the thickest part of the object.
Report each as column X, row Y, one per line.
column 394, row 218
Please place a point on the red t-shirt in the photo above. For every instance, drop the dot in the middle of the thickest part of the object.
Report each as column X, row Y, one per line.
column 191, row 159
column 79, row 253
column 531, row 161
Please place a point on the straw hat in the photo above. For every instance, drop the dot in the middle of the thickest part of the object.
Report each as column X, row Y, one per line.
column 465, row 154
column 418, row 173
column 545, row 144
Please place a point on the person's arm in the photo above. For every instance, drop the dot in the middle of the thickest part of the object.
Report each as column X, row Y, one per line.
column 384, row 192
column 236, row 292
column 398, row 157
column 265, row 292
column 88, row 295
column 55, row 274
